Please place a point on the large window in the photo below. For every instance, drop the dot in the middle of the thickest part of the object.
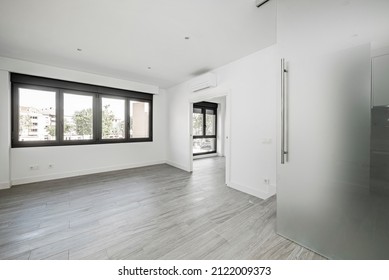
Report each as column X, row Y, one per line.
column 204, row 128
column 53, row 112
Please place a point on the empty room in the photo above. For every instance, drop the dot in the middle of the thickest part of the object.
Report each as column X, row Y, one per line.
column 194, row 130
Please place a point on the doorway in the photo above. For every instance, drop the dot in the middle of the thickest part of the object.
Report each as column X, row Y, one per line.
column 217, row 143
column 205, row 128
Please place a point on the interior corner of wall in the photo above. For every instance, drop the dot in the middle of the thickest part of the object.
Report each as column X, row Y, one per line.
column 5, row 185
column 263, row 193
column 179, row 166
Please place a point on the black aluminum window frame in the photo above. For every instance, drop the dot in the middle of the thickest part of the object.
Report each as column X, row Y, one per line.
column 204, row 106
column 61, row 87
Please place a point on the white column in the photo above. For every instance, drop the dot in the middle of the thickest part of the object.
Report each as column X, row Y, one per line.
column 5, row 129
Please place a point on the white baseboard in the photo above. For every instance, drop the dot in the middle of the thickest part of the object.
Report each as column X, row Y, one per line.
column 179, row 166
column 27, row 180
column 266, row 192
column 205, row 156
column 4, row 185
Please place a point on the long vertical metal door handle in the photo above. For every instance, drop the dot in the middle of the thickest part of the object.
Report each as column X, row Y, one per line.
column 284, row 149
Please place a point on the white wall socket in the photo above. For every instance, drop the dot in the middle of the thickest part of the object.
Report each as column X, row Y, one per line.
column 266, row 181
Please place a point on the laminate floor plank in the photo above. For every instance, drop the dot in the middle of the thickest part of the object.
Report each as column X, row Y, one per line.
column 203, row 246
column 60, row 256
column 21, row 256
column 154, row 212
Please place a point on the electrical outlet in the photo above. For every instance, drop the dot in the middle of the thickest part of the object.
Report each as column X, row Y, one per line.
column 266, row 181
column 34, row 167
column 51, row 165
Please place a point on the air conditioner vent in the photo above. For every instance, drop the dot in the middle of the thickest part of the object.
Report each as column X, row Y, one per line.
column 203, row 82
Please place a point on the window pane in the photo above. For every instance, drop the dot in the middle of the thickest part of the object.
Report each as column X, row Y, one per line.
column 198, row 124
column 210, row 122
column 139, row 119
column 78, row 117
column 113, row 117
column 37, row 114
column 203, row 145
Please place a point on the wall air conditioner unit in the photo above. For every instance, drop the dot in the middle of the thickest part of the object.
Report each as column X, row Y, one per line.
column 203, row 82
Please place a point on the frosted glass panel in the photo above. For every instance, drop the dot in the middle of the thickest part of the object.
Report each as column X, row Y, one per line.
column 332, row 193
column 381, row 80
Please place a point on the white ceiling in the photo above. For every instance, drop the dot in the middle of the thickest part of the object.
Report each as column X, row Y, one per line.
column 122, row 38
column 334, row 23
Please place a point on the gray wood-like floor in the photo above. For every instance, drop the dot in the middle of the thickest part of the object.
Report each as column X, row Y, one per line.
column 156, row 212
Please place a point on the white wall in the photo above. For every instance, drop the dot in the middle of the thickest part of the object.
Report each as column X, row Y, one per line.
column 5, row 128
column 75, row 160
column 251, row 82
column 178, row 132
column 221, row 111
column 30, row 68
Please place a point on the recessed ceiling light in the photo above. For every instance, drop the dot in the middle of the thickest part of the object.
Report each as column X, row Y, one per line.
column 187, row 38
column 79, row 50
